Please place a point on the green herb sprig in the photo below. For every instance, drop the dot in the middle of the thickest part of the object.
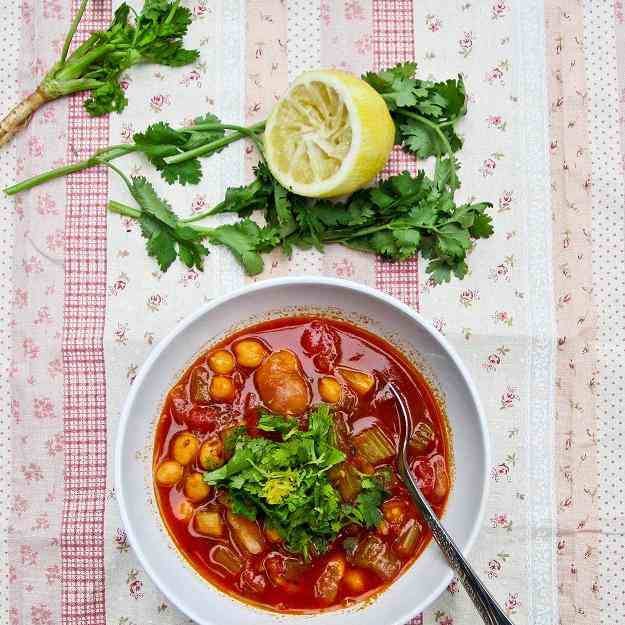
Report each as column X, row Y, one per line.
column 286, row 483
column 425, row 113
column 395, row 219
column 153, row 36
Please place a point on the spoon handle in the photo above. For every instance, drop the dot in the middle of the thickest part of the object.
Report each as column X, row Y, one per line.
column 488, row 608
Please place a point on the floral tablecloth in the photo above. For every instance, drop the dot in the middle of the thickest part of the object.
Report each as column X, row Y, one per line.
column 540, row 319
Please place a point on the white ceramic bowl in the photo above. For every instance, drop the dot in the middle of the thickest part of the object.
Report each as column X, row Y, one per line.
column 376, row 312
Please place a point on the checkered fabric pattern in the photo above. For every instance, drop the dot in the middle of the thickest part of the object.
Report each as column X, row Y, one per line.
column 393, row 42
column 82, row 538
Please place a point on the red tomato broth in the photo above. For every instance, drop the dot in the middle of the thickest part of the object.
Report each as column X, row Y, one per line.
column 360, row 350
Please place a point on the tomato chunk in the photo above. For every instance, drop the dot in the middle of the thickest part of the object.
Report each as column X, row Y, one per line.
column 284, row 572
column 202, row 418
column 323, row 344
column 253, row 582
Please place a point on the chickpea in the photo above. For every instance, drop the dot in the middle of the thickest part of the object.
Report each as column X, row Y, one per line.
column 212, row 453
column 222, row 388
column 184, row 447
column 221, row 361
column 330, row 390
column 169, row 473
column 354, row 580
column 195, row 488
column 184, row 510
column 361, row 381
column 209, row 523
column 394, row 511
column 284, row 361
column 249, row 353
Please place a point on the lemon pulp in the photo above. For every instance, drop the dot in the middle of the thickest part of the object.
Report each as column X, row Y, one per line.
column 329, row 135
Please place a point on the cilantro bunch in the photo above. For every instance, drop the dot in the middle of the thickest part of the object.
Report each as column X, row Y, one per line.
column 286, row 483
column 425, row 113
column 396, row 219
column 152, row 36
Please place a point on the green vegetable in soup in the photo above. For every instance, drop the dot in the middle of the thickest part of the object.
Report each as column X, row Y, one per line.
column 286, row 483
column 374, row 445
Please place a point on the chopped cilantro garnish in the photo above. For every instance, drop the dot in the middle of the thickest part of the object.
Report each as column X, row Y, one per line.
column 286, row 483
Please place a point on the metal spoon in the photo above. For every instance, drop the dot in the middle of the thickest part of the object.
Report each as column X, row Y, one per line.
column 486, row 605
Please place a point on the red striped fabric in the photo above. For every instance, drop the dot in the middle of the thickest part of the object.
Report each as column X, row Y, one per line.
column 84, row 410
column 393, row 42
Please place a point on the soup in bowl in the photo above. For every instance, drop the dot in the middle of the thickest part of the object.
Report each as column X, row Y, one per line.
column 256, row 461
column 275, row 464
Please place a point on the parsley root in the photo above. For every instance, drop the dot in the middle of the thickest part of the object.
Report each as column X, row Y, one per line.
column 154, row 36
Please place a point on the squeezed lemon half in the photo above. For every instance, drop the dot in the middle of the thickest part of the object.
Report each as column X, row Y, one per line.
column 330, row 135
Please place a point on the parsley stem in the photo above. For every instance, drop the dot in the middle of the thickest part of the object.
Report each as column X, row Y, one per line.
column 72, row 29
column 346, row 236
column 207, row 148
column 100, row 157
column 123, row 209
column 122, row 175
column 49, row 175
column 449, row 122
column 201, row 215
column 202, row 229
column 435, row 127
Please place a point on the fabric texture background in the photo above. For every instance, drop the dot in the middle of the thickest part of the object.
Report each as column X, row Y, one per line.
column 539, row 320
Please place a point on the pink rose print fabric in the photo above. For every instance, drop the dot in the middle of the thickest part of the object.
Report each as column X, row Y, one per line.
column 524, row 320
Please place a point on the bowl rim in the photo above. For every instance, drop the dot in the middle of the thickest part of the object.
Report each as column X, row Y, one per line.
column 269, row 283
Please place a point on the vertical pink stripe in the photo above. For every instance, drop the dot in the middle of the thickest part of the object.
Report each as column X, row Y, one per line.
column 576, row 424
column 33, row 489
column 82, row 536
column 393, row 42
column 266, row 79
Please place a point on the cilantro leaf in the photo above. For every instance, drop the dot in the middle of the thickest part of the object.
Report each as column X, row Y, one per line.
column 482, row 226
column 245, row 239
column 166, row 237
column 160, row 140
column 275, row 423
column 145, row 195
column 368, row 505
column 287, row 483
column 439, row 270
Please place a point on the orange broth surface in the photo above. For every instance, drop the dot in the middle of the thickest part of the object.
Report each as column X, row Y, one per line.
column 357, row 349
